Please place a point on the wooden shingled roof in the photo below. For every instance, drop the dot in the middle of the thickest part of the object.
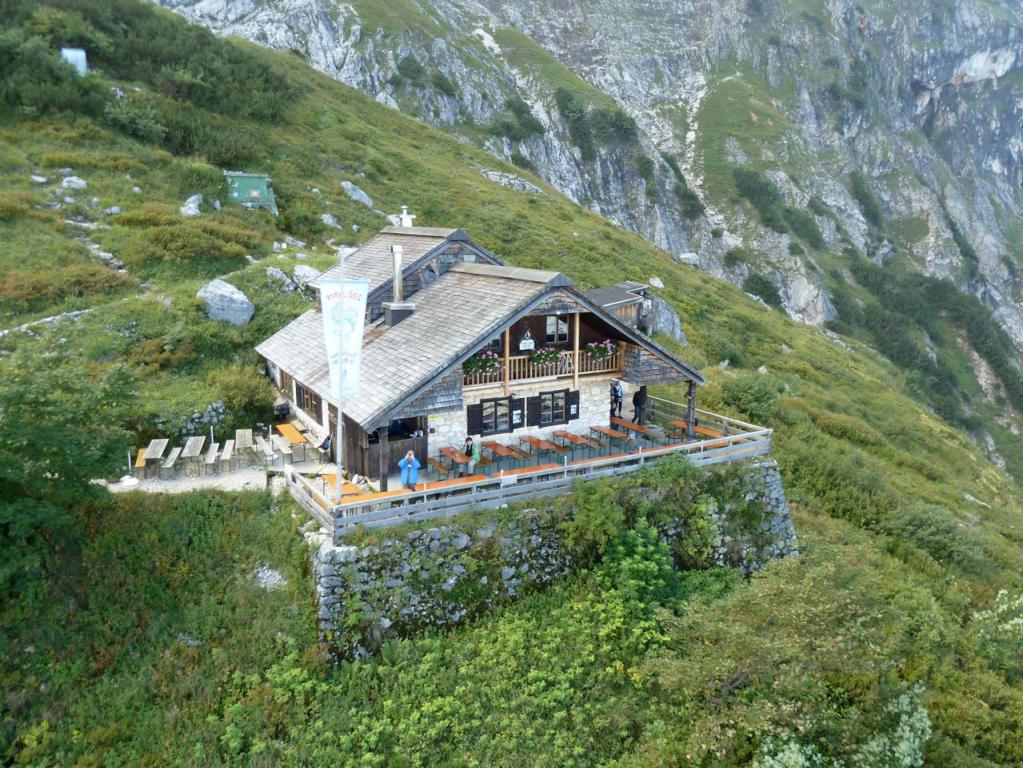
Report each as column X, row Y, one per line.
column 465, row 308
column 372, row 261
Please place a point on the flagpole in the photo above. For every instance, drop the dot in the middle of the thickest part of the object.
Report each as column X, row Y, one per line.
column 341, row 385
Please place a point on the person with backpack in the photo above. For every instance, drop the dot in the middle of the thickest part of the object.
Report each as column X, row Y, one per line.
column 638, row 405
column 617, row 396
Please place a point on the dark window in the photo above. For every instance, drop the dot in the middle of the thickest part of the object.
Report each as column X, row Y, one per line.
column 286, row 384
column 557, row 329
column 553, row 407
column 309, row 401
column 496, row 416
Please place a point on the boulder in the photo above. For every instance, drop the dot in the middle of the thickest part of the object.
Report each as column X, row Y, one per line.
column 113, row 210
column 74, row 182
column 664, row 319
column 281, row 278
column 511, row 181
column 191, row 206
column 356, row 194
column 329, row 220
column 38, row 179
column 691, row 259
column 303, row 274
column 225, row 302
column 656, row 282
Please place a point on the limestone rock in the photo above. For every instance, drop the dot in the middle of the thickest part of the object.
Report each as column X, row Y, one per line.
column 38, row 179
column 664, row 319
column 191, row 206
column 511, row 181
column 356, row 194
column 73, row 182
column 656, row 282
column 329, row 220
column 225, row 302
column 281, row 278
column 303, row 274
column 692, row 259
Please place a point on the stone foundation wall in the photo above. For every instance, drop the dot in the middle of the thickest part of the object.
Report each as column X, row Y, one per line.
column 437, row 577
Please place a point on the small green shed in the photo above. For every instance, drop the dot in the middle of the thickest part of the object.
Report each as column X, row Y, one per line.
column 251, row 190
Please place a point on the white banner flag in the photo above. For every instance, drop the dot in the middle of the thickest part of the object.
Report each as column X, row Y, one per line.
column 343, row 305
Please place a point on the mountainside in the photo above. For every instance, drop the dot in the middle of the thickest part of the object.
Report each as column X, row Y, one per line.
column 132, row 629
column 922, row 99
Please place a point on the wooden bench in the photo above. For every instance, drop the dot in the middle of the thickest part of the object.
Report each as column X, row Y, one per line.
column 440, row 467
column 211, row 459
column 637, row 428
column 140, row 464
column 168, row 466
column 264, row 450
column 707, row 431
column 283, row 446
column 227, row 456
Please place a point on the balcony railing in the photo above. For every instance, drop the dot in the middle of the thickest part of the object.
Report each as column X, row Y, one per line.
column 521, row 369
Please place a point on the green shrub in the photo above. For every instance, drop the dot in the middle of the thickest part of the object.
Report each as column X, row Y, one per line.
column 597, row 518
column 760, row 285
column 717, row 233
column 870, row 206
column 573, row 111
column 692, row 206
column 796, row 249
column 14, row 204
column 441, row 82
column 645, row 168
column 249, row 397
column 937, row 532
column 520, row 160
column 754, row 395
column 735, row 256
column 137, row 118
column 410, row 69
column 803, row 225
column 762, row 195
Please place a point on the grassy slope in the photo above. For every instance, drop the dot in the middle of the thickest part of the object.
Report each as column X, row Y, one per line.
column 851, row 443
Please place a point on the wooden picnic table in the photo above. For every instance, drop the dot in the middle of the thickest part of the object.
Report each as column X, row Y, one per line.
column 638, row 428
column 497, row 449
column 242, row 439
column 600, row 429
column 265, row 450
column 190, row 454
column 283, row 446
column 156, row 448
column 455, row 455
column 539, row 444
column 295, row 438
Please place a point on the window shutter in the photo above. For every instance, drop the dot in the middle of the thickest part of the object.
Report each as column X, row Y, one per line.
column 517, row 411
column 572, row 404
column 533, row 411
column 474, row 419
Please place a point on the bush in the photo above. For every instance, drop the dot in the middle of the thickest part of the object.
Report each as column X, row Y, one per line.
column 803, row 225
column 937, row 532
column 520, row 124
column 410, row 69
column 573, row 111
column 735, row 256
column 203, row 242
column 249, row 397
column 441, row 82
column 762, row 195
column 870, row 206
column 520, row 160
column 760, row 285
column 137, row 118
column 692, row 206
column 14, row 204
column 717, row 233
column 796, row 249
column 754, row 395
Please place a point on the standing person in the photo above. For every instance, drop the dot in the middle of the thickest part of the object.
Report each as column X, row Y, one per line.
column 471, row 450
column 617, row 396
column 638, row 405
column 409, row 467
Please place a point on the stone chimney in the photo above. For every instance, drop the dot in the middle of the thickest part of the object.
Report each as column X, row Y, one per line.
column 406, row 219
column 397, row 309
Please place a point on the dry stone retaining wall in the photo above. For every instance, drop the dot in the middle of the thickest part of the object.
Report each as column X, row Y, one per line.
column 416, row 580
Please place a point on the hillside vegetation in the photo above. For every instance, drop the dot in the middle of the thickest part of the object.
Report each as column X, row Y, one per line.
column 132, row 631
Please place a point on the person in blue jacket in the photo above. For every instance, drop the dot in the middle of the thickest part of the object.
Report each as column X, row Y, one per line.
column 409, row 470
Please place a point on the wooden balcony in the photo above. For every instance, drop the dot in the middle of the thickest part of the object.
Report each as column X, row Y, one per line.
column 567, row 365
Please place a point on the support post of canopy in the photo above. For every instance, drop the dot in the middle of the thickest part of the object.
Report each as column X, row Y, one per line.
column 691, row 410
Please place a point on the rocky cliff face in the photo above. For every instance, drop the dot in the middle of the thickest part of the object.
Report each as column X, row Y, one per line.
column 924, row 101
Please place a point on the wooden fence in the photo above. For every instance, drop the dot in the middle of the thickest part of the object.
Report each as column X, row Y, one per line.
column 743, row 441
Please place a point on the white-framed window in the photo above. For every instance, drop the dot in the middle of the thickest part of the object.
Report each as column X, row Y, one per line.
column 557, row 329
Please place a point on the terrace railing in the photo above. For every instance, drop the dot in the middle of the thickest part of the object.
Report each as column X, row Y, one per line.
column 742, row 441
column 520, row 368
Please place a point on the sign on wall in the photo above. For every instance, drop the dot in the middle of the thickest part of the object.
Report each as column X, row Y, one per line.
column 343, row 304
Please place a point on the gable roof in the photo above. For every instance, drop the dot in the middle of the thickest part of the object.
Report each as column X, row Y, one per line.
column 372, row 260
column 464, row 309
column 616, row 295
